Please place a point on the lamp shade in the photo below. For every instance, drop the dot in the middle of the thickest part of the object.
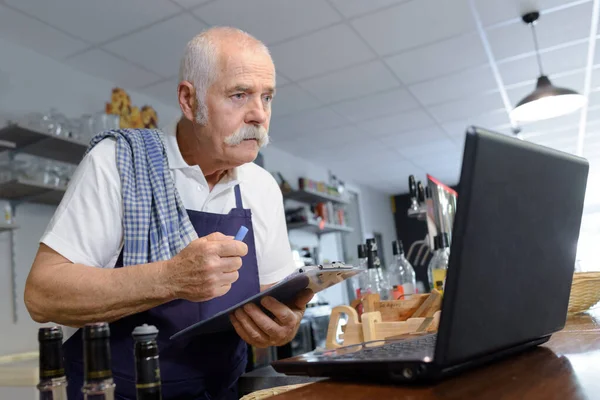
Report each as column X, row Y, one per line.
column 547, row 101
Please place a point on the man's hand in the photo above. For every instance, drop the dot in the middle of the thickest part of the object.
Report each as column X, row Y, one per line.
column 259, row 330
column 206, row 268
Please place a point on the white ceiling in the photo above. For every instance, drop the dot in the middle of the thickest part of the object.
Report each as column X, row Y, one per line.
column 374, row 89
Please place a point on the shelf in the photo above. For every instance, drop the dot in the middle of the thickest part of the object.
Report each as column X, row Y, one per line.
column 312, row 196
column 41, row 144
column 25, row 190
column 314, row 227
column 7, row 227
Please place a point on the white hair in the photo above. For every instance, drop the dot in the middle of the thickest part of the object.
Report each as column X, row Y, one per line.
column 199, row 64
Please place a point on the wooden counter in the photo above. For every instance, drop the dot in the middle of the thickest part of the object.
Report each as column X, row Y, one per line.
column 566, row 367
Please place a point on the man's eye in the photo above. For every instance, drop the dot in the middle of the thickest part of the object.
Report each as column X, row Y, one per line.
column 268, row 98
column 239, row 96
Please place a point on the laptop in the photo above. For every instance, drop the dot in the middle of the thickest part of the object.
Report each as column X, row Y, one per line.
column 509, row 277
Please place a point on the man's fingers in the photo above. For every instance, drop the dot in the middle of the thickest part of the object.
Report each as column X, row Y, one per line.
column 285, row 316
column 230, row 264
column 217, row 236
column 303, row 298
column 253, row 332
column 228, row 278
column 229, row 248
column 242, row 332
column 274, row 330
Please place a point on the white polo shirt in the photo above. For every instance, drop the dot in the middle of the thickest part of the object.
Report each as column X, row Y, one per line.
column 87, row 227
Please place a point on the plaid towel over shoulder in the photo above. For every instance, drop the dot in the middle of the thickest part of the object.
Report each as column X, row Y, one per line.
column 155, row 223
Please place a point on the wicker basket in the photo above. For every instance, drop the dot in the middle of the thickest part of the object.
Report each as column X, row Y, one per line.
column 585, row 291
column 266, row 393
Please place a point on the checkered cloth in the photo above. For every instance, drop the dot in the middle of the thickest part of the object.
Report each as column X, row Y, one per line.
column 156, row 225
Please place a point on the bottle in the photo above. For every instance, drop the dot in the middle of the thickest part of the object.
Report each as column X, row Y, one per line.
column 402, row 278
column 53, row 382
column 356, row 280
column 98, row 381
column 147, row 371
column 375, row 281
column 439, row 262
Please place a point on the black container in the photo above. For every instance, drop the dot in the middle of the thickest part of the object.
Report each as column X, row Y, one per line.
column 147, row 369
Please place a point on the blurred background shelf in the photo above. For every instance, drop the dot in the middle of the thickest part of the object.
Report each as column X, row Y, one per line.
column 7, row 227
column 41, row 144
column 314, row 227
column 31, row 191
column 313, row 196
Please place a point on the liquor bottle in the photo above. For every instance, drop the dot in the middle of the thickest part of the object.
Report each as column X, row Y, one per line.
column 98, row 380
column 438, row 265
column 402, row 278
column 375, row 282
column 357, row 280
column 53, row 382
column 147, row 371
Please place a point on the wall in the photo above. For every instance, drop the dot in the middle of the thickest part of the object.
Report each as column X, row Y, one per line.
column 32, row 82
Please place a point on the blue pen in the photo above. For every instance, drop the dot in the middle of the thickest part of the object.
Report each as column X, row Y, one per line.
column 241, row 234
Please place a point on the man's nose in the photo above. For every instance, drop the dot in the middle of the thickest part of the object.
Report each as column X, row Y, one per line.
column 257, row 112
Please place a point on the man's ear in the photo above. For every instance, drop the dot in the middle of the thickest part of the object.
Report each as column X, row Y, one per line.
column 186, row 95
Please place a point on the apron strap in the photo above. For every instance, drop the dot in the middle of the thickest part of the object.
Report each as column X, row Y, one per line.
column 238, row 197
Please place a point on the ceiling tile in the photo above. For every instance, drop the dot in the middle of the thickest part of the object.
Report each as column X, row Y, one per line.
column 413, row 138
column 438, row 59
column 441, row 146
column 594, row 99
column 488, row 121
column 377, row 105
column 456, row 86
column 290, row 99
column 165, row 92
column 320, row 52
column 104, row 65
column 98, row 21
column 336, row 138
column 36, row 35
column 552, row 29
column 399, row 122
column 469, row 107
column 355, row 82
column 495, row 11
column 352, row 8
column 190, row 3
column 547, row 126
column 413, row 24
column 596, row 75
column 572, row 81
column 553, row 62
column 270, row 21
column 172, row 34
column 307, row 122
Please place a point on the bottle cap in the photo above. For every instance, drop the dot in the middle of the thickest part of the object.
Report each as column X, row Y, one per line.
column 97, row 330
column 362, row 250
column 397, row 247
column 144, row 333
column 50, row 333
column 441, row 241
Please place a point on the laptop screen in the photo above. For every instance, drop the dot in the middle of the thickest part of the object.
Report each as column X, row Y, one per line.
column 514, row 244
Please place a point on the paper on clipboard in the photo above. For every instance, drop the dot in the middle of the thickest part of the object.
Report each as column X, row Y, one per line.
column 316, row 278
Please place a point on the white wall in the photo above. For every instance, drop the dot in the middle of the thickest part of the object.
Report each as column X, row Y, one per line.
column 32, row 82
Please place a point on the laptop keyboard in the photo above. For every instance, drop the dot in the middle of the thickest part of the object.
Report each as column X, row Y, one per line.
column 406, row 349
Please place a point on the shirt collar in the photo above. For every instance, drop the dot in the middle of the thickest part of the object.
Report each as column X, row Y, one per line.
column 176, row 160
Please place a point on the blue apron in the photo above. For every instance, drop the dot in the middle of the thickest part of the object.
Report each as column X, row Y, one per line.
column 204, row 367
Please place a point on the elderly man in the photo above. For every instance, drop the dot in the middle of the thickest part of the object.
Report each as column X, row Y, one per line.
column 227, row 83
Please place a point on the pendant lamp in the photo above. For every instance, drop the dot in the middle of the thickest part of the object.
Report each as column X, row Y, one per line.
column 546, row 101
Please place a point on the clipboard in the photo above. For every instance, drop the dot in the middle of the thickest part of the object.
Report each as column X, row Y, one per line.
column 316, row 278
